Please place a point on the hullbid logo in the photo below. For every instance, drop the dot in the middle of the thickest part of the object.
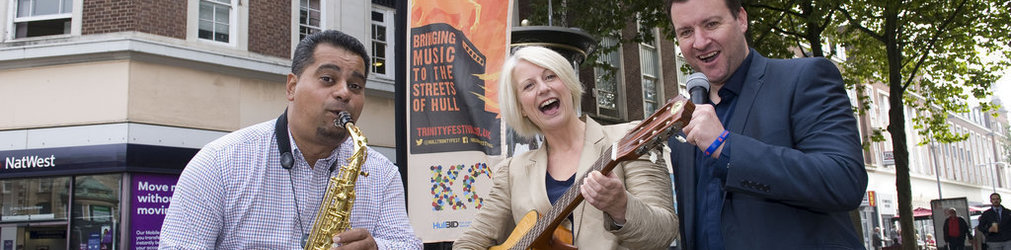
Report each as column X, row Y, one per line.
column 33, row 161
column 450, row 224
column 445, row 224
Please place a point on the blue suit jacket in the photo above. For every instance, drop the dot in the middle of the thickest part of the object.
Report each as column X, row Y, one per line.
column 796, row 166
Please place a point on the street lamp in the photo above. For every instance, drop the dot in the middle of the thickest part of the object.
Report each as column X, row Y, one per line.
column 996, row 164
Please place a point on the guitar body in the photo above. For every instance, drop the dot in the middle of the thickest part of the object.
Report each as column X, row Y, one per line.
column 561, row 237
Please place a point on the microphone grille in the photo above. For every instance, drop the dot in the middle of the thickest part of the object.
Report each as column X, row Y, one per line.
column 697, row 79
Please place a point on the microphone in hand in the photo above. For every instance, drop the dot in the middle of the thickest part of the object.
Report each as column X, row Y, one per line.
column 698, row 88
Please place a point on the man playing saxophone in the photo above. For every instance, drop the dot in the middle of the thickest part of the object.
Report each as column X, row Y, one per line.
column 261, row 187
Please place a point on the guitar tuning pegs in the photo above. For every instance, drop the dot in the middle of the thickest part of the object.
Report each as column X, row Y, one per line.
column 641, row 150
column 680, row 138
column 652, row 156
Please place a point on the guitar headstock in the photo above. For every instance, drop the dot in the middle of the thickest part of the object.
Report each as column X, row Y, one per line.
column 655, row 129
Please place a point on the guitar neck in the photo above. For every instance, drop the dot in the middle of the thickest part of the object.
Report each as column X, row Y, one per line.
column 565, row 204
column 650, row 133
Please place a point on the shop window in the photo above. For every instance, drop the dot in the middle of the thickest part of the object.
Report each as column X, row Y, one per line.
column 34, row 200
column 96, row 211
column 34, row 213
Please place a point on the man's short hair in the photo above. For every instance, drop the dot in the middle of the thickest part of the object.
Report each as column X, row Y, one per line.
column 306, row 47
column 991, row 195
column 733, row 5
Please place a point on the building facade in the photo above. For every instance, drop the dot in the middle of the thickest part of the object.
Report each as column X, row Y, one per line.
column 104, row 102
column 644, row 74
column 970, row 169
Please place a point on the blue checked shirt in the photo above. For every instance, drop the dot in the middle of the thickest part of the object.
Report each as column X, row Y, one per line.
column 234, row 194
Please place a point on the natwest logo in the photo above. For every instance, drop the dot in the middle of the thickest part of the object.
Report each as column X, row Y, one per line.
column 32, row 161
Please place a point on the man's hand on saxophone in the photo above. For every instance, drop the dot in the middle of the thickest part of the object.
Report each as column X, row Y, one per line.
column 356, row 238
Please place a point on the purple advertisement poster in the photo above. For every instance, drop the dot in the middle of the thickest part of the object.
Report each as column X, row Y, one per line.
column 151, row 196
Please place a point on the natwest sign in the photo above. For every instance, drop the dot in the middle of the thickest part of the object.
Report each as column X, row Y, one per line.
column 33, row 161
column 62, row 160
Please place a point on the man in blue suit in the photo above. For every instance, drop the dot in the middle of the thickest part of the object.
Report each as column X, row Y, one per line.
column 994, row 224
column 773, row 160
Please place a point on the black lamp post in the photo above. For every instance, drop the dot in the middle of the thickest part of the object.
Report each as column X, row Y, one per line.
column 574, row 44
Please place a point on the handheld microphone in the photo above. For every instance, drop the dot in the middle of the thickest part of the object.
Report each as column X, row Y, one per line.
column 698, row 88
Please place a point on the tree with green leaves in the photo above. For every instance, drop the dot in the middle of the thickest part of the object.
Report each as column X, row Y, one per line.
column 604, row 18
column 933, row 48
column 928, row 47
column 777, row 26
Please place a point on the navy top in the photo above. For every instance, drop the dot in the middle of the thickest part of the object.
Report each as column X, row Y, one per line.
column 712, row 173
column 556, row 188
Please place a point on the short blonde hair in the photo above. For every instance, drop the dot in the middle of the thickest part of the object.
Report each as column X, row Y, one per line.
column 512, row 112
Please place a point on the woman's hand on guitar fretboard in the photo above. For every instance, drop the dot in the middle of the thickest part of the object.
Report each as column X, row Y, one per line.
column 605, row 193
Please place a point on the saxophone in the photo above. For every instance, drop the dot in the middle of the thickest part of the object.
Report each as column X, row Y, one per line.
column 334, row 213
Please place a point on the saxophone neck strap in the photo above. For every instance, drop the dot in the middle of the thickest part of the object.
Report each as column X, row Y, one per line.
column 283, row 144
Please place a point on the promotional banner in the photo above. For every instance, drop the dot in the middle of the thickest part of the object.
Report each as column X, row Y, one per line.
column 455, row 52
column 938, row 209
column 151, row 194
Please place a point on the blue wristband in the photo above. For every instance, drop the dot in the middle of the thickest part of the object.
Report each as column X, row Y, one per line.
column 716, row 143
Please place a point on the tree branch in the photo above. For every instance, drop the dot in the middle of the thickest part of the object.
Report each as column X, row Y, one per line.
column 854, row 23
column 933, row 42
column 777, row 29
column 801, row 48
column 777, row 9
column 773, row 24
column 828, row 18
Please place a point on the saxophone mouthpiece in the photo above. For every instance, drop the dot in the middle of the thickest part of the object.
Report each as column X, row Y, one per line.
column 343, row 118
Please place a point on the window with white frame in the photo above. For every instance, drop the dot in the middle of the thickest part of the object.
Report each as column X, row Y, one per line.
column 650, row 63
column 382, row 42
column 216, row 20
column 607, row 80
column 883, row 107
column 34, row 18
column 682, row 76
column 309, row 17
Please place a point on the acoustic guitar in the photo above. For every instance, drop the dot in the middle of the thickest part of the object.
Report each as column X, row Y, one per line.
column 532, row 231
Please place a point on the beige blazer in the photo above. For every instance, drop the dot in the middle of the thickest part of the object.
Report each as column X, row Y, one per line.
column 519, row 187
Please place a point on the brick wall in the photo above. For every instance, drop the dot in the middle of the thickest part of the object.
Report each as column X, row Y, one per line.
column 159, row 17
column 633, row 73
column 162, row 17
column 105, row 16
column 668, row 57
column 270, row 28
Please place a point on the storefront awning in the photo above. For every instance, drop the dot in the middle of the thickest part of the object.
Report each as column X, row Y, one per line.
column 919, row 212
